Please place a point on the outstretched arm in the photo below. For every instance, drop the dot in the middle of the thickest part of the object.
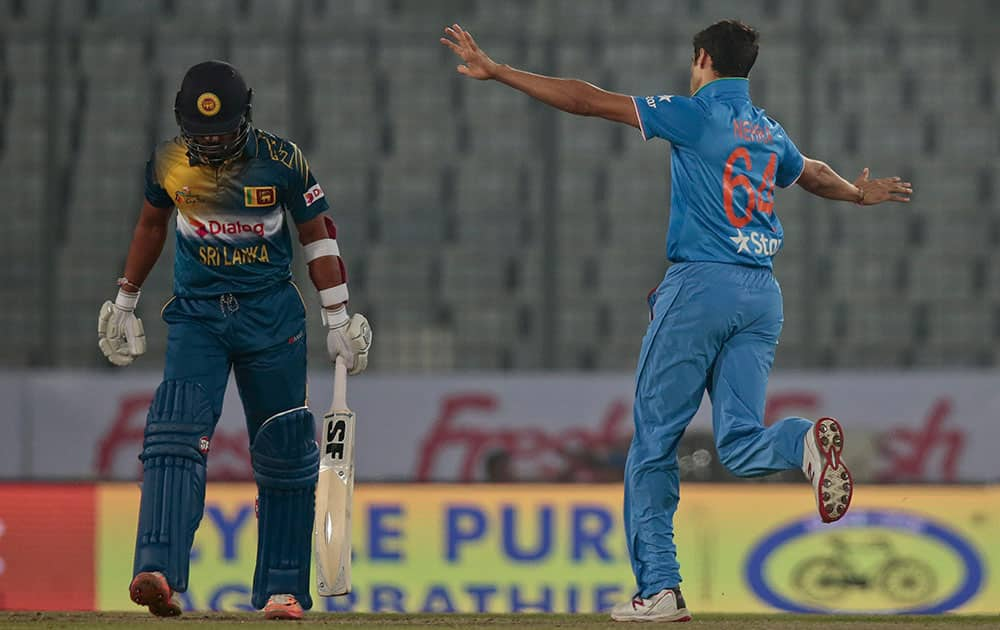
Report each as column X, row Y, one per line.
column 569, row 95
column 821, row 180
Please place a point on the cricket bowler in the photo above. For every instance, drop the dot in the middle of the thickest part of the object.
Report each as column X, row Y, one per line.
column 717, row 314
column 234, row 308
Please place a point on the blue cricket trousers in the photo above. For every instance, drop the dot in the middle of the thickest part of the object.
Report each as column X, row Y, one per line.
column 261, row 337
column 715, row 327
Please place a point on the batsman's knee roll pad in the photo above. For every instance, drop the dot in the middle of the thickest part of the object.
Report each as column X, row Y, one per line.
column 178, row 429
column 285, row 460
column 284, row 451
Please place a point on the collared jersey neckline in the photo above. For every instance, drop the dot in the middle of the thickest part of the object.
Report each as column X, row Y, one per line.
column 725, row 86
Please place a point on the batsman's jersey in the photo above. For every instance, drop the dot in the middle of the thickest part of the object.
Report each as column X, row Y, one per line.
column 726, row 158
column 231, row 231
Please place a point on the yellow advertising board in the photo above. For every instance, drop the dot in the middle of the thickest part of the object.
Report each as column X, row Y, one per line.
column 511, row 548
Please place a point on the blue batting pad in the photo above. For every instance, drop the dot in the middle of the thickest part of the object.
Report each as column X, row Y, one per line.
column 178, row 429
column 286, row 463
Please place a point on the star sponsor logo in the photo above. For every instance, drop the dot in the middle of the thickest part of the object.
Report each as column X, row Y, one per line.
column 662, row 98
column 756, row 243
column 741, row 241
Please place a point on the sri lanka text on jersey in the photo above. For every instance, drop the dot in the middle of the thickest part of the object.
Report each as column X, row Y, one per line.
column 224, row 256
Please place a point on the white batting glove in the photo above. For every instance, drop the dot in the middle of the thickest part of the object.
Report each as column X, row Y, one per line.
column 119, row 332
column 349, row 338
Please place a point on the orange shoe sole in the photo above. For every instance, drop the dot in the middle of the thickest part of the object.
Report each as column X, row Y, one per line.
column 293, row 613
column 149, row 589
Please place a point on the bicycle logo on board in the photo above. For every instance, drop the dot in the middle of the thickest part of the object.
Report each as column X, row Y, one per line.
column 896, row 576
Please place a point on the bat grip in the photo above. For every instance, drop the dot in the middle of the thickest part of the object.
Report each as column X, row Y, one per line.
column 340, row 384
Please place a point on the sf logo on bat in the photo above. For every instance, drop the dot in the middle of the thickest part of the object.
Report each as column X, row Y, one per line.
column 336, row 434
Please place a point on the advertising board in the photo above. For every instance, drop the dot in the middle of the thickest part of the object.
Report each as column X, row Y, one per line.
column 560, row 548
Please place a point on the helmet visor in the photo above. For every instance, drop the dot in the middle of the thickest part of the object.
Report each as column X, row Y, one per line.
column 213, row 146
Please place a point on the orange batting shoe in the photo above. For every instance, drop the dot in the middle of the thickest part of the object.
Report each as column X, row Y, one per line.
column 283, row 607
column 151, row 589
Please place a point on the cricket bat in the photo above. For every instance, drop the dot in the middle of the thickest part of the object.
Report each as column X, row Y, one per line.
column 334, row 493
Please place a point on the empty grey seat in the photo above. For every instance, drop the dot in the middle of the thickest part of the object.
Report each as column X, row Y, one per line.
column 468, row 277
column 201, row 13
column 402, row 277
column 420, row 348
column 25, row 56
column 106, row 54
column 496, row 209
column 179, row 44
column 484, row 336
column 268, row 17
column 18, row 16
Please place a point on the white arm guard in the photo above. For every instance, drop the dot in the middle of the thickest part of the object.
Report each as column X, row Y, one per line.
column 334, row 296
column 320, row 248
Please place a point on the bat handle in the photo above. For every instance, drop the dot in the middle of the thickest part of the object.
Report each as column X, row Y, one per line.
column 340, row 384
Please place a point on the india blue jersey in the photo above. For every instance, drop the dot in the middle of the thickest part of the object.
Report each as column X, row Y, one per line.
column 232, row 236
column 726, row 158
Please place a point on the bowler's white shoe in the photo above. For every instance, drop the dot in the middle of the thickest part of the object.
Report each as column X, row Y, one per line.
column 667, row 605
column 823, row 466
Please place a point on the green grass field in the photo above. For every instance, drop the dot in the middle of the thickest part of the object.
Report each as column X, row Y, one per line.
column 247, row 621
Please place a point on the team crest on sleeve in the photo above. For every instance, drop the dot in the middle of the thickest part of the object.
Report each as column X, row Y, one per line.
column 259, row 196
column 313, row 195
column 209, row 104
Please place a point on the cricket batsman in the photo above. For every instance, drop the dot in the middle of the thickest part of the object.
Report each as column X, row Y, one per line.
column 234, row 308
column 717, row 314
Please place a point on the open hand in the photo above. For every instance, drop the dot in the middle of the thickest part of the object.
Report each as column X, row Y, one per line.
column 478, row 64
column 885, row 189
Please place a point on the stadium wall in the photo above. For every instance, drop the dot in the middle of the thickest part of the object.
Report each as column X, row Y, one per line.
column 920, row 427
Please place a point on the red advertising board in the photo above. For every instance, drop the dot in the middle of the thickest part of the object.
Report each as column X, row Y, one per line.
column 47, row 538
